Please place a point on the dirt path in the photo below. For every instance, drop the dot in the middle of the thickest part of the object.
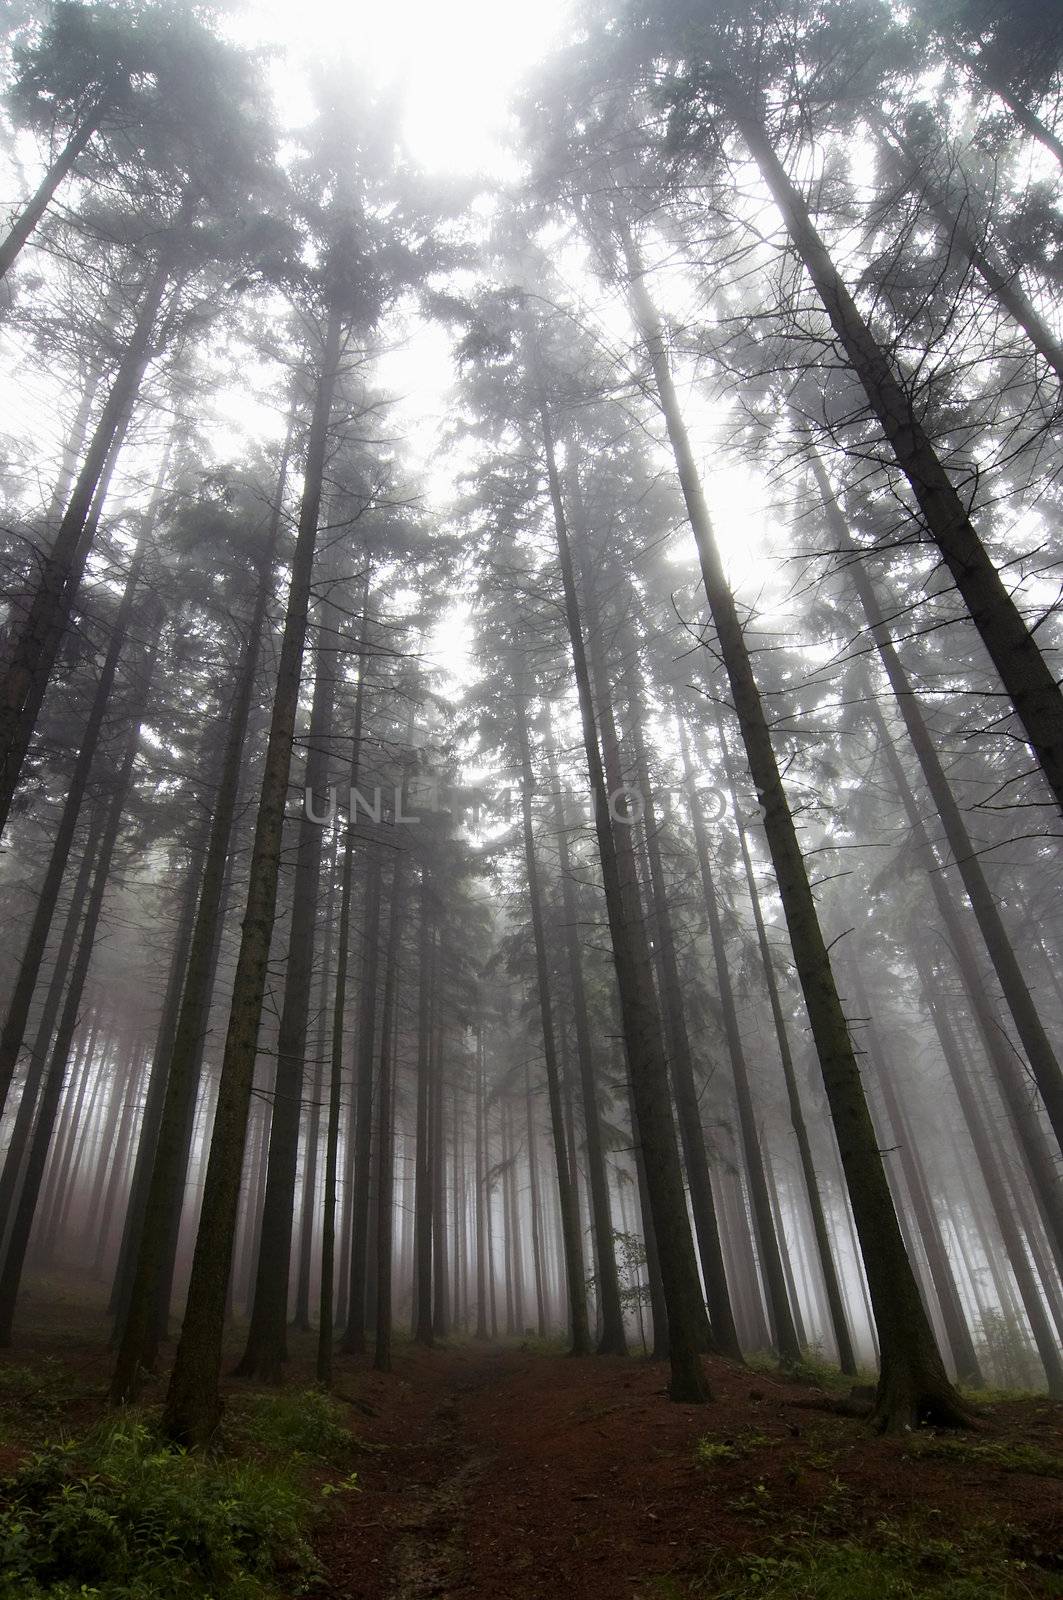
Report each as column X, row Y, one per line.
column 494, row 1474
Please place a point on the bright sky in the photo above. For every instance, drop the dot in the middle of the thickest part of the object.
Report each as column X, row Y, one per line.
column 456, row 63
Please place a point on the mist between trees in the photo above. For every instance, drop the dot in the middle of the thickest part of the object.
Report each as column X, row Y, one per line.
column 742, row 482
column 480, row 809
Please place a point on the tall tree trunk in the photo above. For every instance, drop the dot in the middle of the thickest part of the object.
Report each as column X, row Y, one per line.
column 35, row 642
column 422, row 1328
column 688, row 1101
column 1010, row 645
column 612, row 1339
column 354, row 1333
column 153, row 1245
column 38, row 203
column 33, row 953
column 51, row 1092
column 957, row 1332
column 482, row 1238
column 312, row 1137
column 570, row 1223
column 1011, row 1080
column 267, row 1342
column 156, row 1091
column 956, row 228
column 913, row 1386
column 1031, row 1031
column 641, row 1019
column 828, row 1266
column 193, row 1405
column 38, row 1059
column 385, row 1130
column 992, row 1175
column 769, row 1246
column 327, row 1315
column 440, row 1245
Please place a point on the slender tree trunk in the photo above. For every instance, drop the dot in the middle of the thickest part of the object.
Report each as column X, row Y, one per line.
column 38, row 1060
column 327, row 1315
column 153, row 1241
column 574, row 1269
column 192, row 1404
column 957, row 1332
column 385, row 1156
column 482, row 1238
column 1042, row 1058
column 156, row 1092
column 688, row 1103
column 312, row 1137
column 51, row 1092
column 440, row 1290
column 990, row 1168
column 641, row 1019
column 612, row 1339
column 535, row 1207
column 828, row 1266
column 35, row 643
column 956, row 228
column 1008, row 641
column 354, row 1334
column 29, row 967
column 422, row 1328
column 267, row 1341
column 34, row 209
column 913, row 1386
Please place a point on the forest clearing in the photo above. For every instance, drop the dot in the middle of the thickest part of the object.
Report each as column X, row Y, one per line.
column 531, row 773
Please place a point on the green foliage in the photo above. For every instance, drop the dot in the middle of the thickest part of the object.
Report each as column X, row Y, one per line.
column 119, row 1515
column 1005, row 1456
column 710, row 1452
column 293, row 1422
column 901, row 1563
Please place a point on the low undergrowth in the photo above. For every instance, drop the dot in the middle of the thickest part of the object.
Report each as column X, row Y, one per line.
column 118, row 1514
column 894, row 1562
column 1001, row 1455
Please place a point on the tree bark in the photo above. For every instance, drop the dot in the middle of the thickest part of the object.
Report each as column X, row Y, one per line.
column 913, row 1386
column 385, row 1134
column 1008, row 641
column 570, row 1223
column 641, row 1019
column 828, row 1267
column 35, row 207
column 35, row 644
column 153, row 1246
column 51, row 1092
column 192, row 1404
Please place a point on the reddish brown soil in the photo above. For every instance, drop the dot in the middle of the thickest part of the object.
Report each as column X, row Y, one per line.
column 504, row 1475
column 492, row 1473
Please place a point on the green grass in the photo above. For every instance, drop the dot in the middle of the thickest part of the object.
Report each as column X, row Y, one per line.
column 305, row 1423
column 1013, row 1456
column 120, row 1515
column 899, row 1563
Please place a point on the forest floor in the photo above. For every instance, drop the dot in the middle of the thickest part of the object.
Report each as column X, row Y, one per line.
column 509, row 1472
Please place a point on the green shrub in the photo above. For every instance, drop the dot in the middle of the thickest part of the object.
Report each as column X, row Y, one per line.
column 121, row 1516
column 293, row 1422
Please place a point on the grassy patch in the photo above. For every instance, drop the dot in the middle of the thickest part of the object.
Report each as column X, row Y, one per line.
column 120, row 1515
column 305, row 1423
column 896, row 1563
column 1013, row 1456
column 709, row 1452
